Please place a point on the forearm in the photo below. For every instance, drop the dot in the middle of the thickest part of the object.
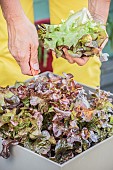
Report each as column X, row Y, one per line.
column 11, row 9
column 99, row 9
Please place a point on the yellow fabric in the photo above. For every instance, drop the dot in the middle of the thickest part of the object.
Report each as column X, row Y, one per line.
column 88, row 74
column 9, row 69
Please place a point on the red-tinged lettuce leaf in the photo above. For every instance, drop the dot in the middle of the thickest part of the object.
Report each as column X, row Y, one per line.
column 5, row 153
column 63, row 151
column 58, row 129
column 53, row 116
column 12, row 102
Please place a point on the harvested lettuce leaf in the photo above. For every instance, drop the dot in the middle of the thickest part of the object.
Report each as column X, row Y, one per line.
column 80, row 34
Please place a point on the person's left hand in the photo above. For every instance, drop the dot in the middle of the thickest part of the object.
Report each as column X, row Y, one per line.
column 104, row 43
column 80, row 61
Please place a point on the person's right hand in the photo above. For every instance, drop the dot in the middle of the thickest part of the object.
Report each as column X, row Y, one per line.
column 23, row 44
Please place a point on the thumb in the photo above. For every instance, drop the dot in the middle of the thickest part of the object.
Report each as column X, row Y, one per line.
column 34, row 65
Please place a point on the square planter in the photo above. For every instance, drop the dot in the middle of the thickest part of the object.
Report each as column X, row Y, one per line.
column 98, row 157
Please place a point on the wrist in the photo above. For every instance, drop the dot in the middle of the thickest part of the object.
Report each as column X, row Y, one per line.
column 99, row 18
column 99, row 10
column 12, row 10
column 15, row 19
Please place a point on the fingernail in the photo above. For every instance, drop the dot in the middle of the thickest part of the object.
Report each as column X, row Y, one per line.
column 64, row 49
column 36, row 66
column 53, row 53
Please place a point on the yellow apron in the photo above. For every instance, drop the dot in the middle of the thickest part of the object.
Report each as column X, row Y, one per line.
column 88, row 74
column 9, row 69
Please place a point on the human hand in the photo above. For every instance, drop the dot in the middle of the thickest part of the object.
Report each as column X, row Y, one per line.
column 83, row 60
column 103, row 44
column 99, row 12
column 80, row 60
column 103, row 56
column 23, row 44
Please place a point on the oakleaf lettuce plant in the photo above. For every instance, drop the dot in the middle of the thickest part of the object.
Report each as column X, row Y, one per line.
column 54, row 117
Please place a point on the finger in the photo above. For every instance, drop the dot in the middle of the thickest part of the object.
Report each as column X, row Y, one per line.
column 25, row 68
column 81, row 61
column 35, row 72
column 67, row 56
column 34, row 60
column 53, row 53
column 104, row 43
column 23, row 59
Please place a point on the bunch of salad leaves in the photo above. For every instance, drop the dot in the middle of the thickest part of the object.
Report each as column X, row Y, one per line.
column 80, row 34
column 54, row 117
